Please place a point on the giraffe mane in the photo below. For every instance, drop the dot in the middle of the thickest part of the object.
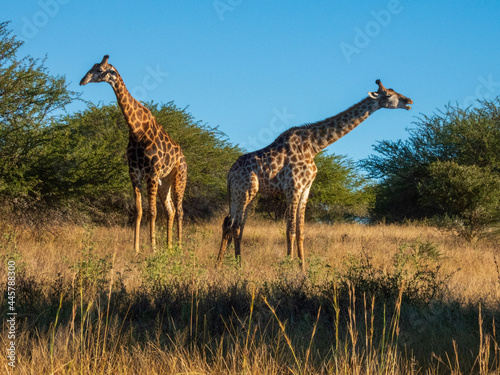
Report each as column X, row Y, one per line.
column 309, row 125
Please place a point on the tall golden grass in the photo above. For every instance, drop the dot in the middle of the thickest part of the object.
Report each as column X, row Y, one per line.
column 267, row 317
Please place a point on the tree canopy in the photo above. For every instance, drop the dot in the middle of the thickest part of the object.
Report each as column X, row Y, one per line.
column 78, row 160
column 31, row 101
column 448, row 167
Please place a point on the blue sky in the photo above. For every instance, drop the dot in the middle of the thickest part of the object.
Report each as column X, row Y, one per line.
column 255, row 68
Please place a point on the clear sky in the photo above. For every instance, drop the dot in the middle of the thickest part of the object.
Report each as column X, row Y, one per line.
column 255, row 68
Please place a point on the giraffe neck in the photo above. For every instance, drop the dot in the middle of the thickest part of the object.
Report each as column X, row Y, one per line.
column 323, row 133
column 136, row 115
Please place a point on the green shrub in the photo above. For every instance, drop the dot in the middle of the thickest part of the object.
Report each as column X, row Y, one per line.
column 448, row 167
column 92, row 271
column 467, row 197
column 415, row 270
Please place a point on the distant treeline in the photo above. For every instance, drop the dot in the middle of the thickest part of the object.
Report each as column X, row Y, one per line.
column 72, row 166
column 448, row 170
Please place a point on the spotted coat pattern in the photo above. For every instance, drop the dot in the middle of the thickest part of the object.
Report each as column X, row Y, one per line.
column 152, row 155
column 287, row 167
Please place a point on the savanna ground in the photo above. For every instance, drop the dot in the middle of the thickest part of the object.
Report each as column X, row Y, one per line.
column 393, row 299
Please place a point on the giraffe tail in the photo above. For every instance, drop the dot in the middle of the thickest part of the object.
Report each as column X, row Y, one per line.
column 227, row 237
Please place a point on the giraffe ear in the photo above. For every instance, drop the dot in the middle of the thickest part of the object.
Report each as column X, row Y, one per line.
column 373, row 94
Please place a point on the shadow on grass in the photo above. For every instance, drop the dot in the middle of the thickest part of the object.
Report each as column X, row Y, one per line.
column 315, row 323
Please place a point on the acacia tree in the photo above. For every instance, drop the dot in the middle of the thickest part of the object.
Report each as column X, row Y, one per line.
column 88, row 165
column 31, row 100
column 340, row 191
column 76, row 162
column 467, row 197
column 447, row 168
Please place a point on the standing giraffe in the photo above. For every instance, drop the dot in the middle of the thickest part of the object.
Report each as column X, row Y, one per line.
column 287, row 166
column 151, row 153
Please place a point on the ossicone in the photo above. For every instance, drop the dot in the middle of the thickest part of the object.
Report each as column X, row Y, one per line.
column 380, row 85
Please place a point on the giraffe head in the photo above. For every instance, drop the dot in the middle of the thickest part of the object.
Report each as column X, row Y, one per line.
column 100, row 72
column 388, row 98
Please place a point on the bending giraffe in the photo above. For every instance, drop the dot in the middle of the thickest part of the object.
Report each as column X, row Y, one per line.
column 287, row 166
column 152, row 155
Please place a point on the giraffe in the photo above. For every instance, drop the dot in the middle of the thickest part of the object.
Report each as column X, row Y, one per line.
column 152, row 155
column 287, row 167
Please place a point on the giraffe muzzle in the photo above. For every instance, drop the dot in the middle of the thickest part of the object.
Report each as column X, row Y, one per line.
column 85, row 80
column 407, row 106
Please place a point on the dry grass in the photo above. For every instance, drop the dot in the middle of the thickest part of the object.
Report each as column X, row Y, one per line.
column 94, row 336
column 475, row 275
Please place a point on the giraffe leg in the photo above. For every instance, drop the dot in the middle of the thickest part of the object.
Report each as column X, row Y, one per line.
column 152, row 191
column 300, row 226
column 240, row 211
column 170, row 221
column 138, row 216
column 291, row 222
column 234, row 223
column 179, row 187
column 164, row 192
column 237, row 230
